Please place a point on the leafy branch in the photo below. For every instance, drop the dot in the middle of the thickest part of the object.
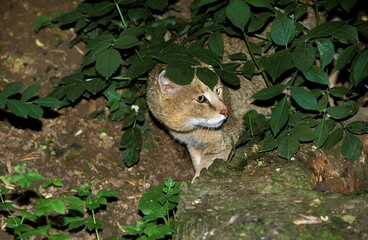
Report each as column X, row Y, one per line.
column 159, row 203
column 49, row 214
column 295, row 55
column 25, row 104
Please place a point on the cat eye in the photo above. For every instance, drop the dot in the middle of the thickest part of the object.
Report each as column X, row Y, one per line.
column 218, row 91
column 200, row 99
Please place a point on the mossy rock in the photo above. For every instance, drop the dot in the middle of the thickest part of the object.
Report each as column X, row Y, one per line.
column 267, row 200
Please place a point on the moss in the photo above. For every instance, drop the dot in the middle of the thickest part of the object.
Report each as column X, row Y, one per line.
column 262, row 202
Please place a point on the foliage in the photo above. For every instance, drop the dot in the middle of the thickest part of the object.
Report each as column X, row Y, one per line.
column 25, row 104
column 296, row 58
column 157, row 206
column 50, row 214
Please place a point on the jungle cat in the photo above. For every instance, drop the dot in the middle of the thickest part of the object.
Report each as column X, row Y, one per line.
column 208, row 121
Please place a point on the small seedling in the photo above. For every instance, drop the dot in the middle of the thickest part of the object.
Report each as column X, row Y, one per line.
column 49, row 215
column 158, row 207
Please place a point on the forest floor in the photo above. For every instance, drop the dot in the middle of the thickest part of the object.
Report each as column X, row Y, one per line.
column 71, row 146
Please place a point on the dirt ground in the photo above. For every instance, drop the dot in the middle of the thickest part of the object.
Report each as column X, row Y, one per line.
column 71, row 146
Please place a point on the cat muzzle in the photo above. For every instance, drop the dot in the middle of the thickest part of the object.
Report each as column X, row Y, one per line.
column 224, row 112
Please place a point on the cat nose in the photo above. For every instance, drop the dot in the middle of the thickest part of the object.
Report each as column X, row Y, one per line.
column 224, row 112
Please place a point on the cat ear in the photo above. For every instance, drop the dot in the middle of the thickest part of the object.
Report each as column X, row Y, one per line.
column 166, row 85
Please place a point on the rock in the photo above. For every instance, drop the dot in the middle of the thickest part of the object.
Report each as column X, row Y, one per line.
column 269, row 200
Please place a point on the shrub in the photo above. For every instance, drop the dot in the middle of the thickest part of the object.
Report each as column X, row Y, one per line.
column 125, row 39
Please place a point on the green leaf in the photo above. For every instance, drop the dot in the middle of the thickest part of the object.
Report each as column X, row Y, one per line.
column 338, row 91
column 279, row 116
column 255, row 122
column 127, row 39
column 303, row 56
column 303, row 133
column 70, row 17
column 11, row 89
column 30, row 91
column 18, row 108
column 230, row 67
column 154, row 231
column 205, row 55
column 107, row 193
column 334, row 138
column 326, row 51
column 207, row 76
column 228, row 77
column 72, row 79
column 321, row 133
column 2, row 101
column 348, row 4
column 180, row 74
column 150, row 205
column 238, row 12
column 360, row 67
column 136, row 14
column 339, row 112
column 304, row 98
column 216, row 43
column 351, row 147
column 358, row 127
column 101, row 9
column 131, row 142
column 249, row 69
column 258, row 21
column 47, row 206
column 269, row 92
column 346, row 33
column 300, row 10
column 277, row 63
column 41, row 22
column 16, row 223
column 157, row 4
column 92, row 225
column 346, row 56
column 288, row 146
column 95, row 85
column 47, row 102
column 178, row 59
column 324, row 30
column 108, row 62
column 135, row 230
column 73, row 222
column 27, row 215
column 269, row 143
column 282, row 30
column 140, row 67
column 34, row 111
column 302, row 119
column 198, row 4
column 317, row 75
column 131, row 156
column 131, row 138
column 260, row 3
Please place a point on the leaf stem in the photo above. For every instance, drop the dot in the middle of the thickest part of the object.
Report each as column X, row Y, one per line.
column 10, row 214
column 121, row 15
column 259, row 69
column 316, row 13
column 94, row 222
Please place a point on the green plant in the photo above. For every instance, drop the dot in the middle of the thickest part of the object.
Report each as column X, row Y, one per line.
column 296, row 58
column 25, row 104
column 49, row 216
column 157, row 206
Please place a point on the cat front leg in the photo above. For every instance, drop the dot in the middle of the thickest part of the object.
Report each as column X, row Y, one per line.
column 196, row 154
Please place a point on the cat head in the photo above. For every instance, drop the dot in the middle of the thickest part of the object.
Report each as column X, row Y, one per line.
column 184, row 108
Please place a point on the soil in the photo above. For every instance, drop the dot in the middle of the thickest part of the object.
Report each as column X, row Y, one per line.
column 79, row 150
column 71, row 146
